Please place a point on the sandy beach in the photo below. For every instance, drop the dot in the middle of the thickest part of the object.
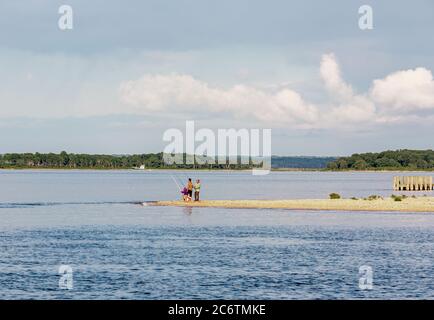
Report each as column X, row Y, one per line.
column 421, row 204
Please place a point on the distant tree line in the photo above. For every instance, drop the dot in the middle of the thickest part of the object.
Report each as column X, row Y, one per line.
column 301, row 162
column 388, row 160
column 66, row 160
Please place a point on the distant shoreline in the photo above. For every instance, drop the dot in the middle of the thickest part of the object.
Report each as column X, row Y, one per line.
column 222, row 170
column 402, row 160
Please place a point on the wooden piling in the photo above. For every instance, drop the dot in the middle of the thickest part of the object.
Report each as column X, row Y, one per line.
column 413, row 183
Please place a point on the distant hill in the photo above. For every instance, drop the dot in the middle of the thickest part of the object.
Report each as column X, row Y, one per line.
column 301, row 162
column 386, row 160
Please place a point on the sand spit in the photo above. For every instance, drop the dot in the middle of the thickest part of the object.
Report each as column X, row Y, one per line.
column 421, row 204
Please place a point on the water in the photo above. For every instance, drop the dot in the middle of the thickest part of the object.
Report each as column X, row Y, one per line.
column 118, row 248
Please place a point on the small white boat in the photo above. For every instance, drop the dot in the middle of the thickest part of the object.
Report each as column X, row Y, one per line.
column 142, row 167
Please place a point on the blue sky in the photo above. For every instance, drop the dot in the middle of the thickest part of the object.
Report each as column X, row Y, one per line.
column 129, row 71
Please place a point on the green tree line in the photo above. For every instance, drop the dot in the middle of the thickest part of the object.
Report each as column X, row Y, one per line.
column 66, row 160
column 301, row 162
column 387, row 160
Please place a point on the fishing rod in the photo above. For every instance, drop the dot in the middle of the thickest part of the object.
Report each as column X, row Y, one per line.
column 179, row 179
column 177, row 184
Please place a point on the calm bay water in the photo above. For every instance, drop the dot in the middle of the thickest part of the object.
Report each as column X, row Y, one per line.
column 95, row 222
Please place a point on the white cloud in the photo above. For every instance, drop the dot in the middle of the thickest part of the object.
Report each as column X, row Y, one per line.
column 407, row 90
column 178, row 93
column 390, row 100
column 182, row 93
column 358, row 109
column 348, row 106
column 331, row 75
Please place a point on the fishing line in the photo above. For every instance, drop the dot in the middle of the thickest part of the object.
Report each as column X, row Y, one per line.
column 179, row 179
column 177, row 184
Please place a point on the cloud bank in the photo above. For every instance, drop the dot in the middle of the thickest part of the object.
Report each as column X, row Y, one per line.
column 182, row 93
column 390, row 99
column 405, row 90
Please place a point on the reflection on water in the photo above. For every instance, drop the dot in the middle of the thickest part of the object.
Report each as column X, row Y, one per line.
column 187, row 210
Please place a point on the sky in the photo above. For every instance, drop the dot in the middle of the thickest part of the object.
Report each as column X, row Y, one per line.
column 128, row 71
